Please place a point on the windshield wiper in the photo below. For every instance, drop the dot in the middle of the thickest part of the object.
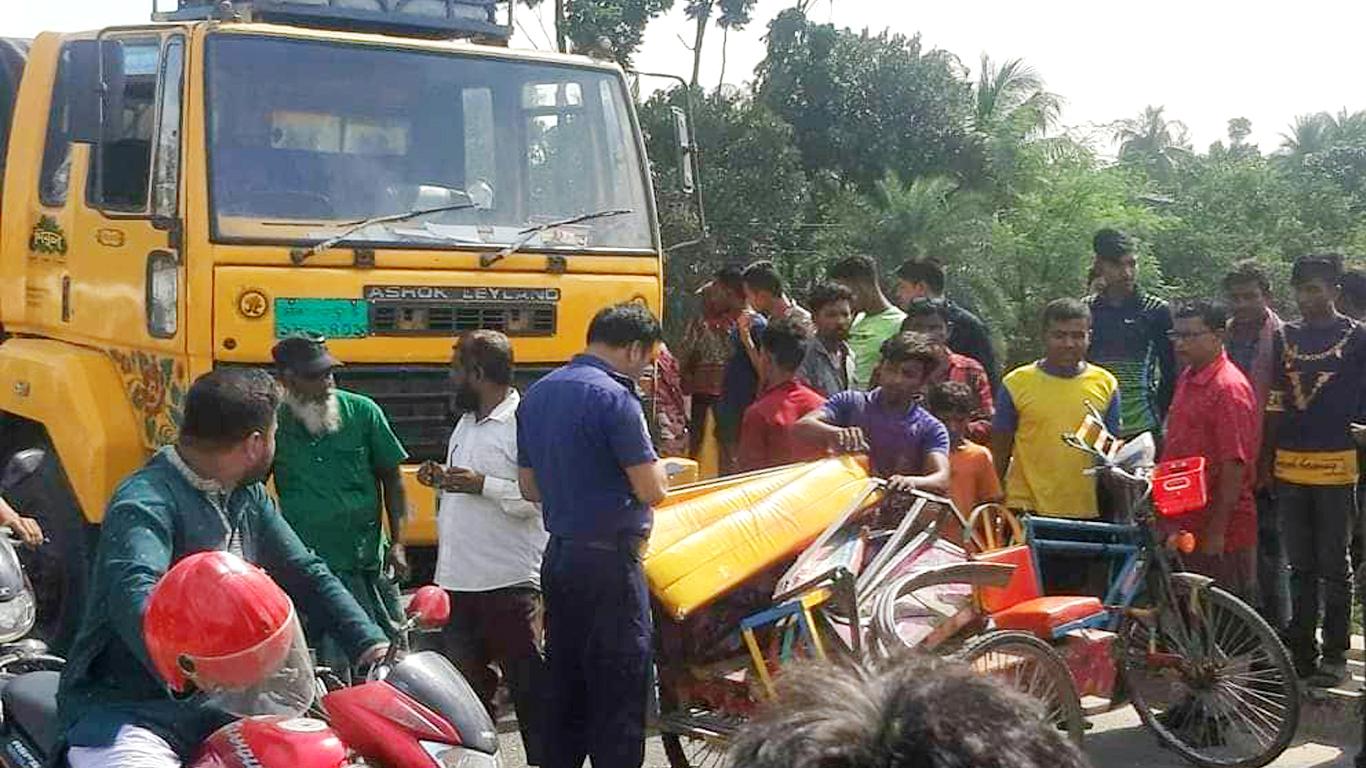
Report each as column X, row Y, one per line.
column 527, row 235
column 300, row 255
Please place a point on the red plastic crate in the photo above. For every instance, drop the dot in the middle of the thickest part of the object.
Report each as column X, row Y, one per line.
column 1179, row 486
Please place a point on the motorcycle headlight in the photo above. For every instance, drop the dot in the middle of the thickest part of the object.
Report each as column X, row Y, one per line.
column 447, row 756
column 16, row 617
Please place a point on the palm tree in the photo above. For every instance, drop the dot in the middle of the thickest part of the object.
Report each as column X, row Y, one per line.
column 1153, row 142
column 1308, row 134
column 1012, row 96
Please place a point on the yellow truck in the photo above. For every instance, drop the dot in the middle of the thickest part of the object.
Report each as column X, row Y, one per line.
column 178, row 195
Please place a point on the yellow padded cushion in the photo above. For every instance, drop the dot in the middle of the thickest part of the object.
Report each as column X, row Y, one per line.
column 704, row 545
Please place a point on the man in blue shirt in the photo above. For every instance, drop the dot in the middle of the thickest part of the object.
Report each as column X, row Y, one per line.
column 584, row 452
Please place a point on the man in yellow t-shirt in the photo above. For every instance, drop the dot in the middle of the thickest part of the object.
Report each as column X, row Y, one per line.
column 1040, row 402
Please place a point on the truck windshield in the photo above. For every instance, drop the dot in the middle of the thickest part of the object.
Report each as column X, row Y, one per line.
column 307, row 137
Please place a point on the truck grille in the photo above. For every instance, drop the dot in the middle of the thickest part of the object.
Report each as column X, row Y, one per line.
column 417, row 401
column 411, row 319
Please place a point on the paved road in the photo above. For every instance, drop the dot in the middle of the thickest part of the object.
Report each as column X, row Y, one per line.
column 1118, row 740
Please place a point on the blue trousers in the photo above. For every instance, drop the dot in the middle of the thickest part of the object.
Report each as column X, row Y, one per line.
column 598, row 653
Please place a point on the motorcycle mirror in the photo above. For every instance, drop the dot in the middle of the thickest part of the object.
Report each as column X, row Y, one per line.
column 21, row 466
column 431, row 607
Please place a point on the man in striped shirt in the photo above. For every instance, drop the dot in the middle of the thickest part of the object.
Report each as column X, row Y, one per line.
column 1129, row 336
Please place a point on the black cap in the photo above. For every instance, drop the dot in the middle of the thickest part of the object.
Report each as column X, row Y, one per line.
column 305, row 356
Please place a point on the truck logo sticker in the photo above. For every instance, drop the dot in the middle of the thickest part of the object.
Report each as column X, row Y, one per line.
column 252, row 304
column 47, row 237
column 462, row 294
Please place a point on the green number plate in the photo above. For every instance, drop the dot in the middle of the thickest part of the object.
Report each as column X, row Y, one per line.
column 333, row 318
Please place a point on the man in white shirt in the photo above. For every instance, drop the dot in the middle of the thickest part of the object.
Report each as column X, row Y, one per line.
column 490, row 540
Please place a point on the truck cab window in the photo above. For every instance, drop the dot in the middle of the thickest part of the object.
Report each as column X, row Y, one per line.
column 55, row 174
column 125, row 149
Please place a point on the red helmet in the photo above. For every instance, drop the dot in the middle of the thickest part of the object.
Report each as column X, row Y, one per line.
column 223, row 624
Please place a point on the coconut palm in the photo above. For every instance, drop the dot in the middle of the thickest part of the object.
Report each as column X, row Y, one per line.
column 1153, row 142
column 1013, row 96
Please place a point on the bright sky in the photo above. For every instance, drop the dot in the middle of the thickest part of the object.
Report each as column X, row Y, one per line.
column 1205, row 60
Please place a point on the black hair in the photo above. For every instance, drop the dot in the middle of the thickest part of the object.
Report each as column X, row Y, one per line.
column 625, row 324
column 763, row 276
column 225, row 406
column 829, row 293
column 923, row 307
column 785, row 341
column 732, row 278
column 927, row 271
column 858, row 269
column 1248, row 271
column 1063, row 310
column 1317, row 266
column 909, row 711
column 490, row 352
column 1112, row 244
column 1213, row 313
column 952, row 397
column 1354, row 287
column 908, row 347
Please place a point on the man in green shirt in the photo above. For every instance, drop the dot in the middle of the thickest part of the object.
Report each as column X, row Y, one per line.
column 204, row 493
column 337, row 457
column 878, row 319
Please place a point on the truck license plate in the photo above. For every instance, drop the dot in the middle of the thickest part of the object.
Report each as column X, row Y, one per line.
column 333, row 318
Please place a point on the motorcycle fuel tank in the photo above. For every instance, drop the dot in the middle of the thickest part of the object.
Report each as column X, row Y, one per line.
column 273, row 742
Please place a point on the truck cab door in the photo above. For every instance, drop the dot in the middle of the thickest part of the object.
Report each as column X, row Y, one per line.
column 127, row 282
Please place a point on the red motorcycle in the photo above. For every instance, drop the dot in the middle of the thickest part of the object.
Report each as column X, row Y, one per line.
column 220, row 630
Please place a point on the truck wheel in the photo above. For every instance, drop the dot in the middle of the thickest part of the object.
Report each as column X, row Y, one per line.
column 58, row 569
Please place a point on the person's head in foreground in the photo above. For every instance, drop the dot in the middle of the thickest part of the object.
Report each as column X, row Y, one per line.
column 912, row 711
column 1066, row 333
column 1247, row 288
column 903, row 374
column 1198, row 335
column 1116, row 263
column 627, row 336
column 229, row 424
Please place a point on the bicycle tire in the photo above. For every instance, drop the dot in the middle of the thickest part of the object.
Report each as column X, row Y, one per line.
column 1269, row 676
column 1052, row 685
column 686, row 752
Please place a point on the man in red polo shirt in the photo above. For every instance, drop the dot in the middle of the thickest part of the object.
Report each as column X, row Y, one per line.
column 1214, row 414
column 766, row 438
column 931, row 317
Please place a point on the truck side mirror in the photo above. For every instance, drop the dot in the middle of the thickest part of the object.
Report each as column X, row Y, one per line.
column 683, row 137
column 87, row 93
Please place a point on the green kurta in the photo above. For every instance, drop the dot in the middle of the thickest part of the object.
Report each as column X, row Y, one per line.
column 327, row 485
column 156, row 517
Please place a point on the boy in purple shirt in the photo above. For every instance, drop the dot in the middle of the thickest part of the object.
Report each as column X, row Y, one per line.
column 905, row 443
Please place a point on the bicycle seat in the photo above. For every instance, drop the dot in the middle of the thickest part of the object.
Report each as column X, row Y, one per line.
column 1043, row 616
column 30, row 702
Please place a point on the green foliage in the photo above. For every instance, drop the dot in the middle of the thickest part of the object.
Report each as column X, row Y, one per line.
column 861, row 104
column 612, row 28
column 859, row 143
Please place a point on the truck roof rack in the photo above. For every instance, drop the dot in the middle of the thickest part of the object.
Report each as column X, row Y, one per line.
column 489, row 20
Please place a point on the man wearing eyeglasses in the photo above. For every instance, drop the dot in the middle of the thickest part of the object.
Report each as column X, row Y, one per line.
column 336, row 472
column 1214, row 415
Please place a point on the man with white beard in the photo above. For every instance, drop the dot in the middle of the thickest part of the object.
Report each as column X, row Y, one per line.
column 336, row 458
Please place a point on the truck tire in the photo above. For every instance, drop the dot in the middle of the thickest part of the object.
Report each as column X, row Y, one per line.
column 59, row 569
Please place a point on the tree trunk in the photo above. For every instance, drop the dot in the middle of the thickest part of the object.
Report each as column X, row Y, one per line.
column 559, row 27
column 703, row 17
column 725, row 41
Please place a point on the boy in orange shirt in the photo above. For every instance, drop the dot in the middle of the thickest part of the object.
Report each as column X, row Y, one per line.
column 972, row 476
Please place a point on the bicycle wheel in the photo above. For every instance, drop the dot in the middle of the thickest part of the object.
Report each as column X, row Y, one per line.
column 693, row 751
column 1032, row 667
column 1212, row 680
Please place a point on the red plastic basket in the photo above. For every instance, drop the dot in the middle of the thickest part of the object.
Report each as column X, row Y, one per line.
column 1179, row 486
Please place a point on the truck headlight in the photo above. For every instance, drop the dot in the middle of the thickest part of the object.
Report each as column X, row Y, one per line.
column 163, row 294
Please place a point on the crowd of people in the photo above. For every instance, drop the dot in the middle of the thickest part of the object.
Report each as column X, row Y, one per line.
column 545, row 496
column 1271, row 406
